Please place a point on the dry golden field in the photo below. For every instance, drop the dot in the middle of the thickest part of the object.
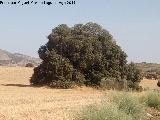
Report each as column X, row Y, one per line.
column 149, row 84
column 20, row 101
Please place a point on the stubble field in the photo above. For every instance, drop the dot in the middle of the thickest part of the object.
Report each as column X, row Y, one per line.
column 20, row 101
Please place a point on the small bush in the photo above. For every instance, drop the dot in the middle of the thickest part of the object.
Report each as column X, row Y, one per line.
column 122, row 106
column 130, row 105
column 103, row 112
column 113, row 83
column 152, row 99
column 29, row 65
column 134, row 86
column 107, row 83
column 158, row 84
column 120, row 84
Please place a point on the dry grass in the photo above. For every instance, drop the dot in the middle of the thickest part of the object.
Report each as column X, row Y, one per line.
column 20, row 101
column 149, row 84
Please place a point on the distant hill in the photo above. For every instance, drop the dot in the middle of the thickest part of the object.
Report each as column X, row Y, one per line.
column 16, row 59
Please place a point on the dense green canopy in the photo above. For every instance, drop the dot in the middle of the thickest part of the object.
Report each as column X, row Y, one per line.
column 83, row 54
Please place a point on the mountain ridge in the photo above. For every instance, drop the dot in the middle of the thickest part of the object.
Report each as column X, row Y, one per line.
column 17, row 59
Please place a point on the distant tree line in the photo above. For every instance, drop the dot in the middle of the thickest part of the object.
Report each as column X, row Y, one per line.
column 85, row 54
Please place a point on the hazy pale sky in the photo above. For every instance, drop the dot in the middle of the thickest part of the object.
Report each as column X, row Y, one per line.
column 135, row 24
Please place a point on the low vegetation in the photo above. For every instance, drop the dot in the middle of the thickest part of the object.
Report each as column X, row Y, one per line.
column 123, row 106
column 29, row 65
column 103, row 112
column 119, row 106
column 158, row 83
column 151, row 99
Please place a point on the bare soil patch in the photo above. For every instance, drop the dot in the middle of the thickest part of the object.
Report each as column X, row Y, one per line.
column 20, row 101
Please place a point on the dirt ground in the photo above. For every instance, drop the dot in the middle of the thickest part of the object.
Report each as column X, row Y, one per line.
column 149, row 84
column 20, row 101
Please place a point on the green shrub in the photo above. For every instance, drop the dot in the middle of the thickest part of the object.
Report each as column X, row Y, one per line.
column 121, row 106
column 29, row 65
column 120, row 84
column 130, row 105
column 105, row 111
column 152, row 99
column 132, row 86
column 158, row 83
column 113, row 83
